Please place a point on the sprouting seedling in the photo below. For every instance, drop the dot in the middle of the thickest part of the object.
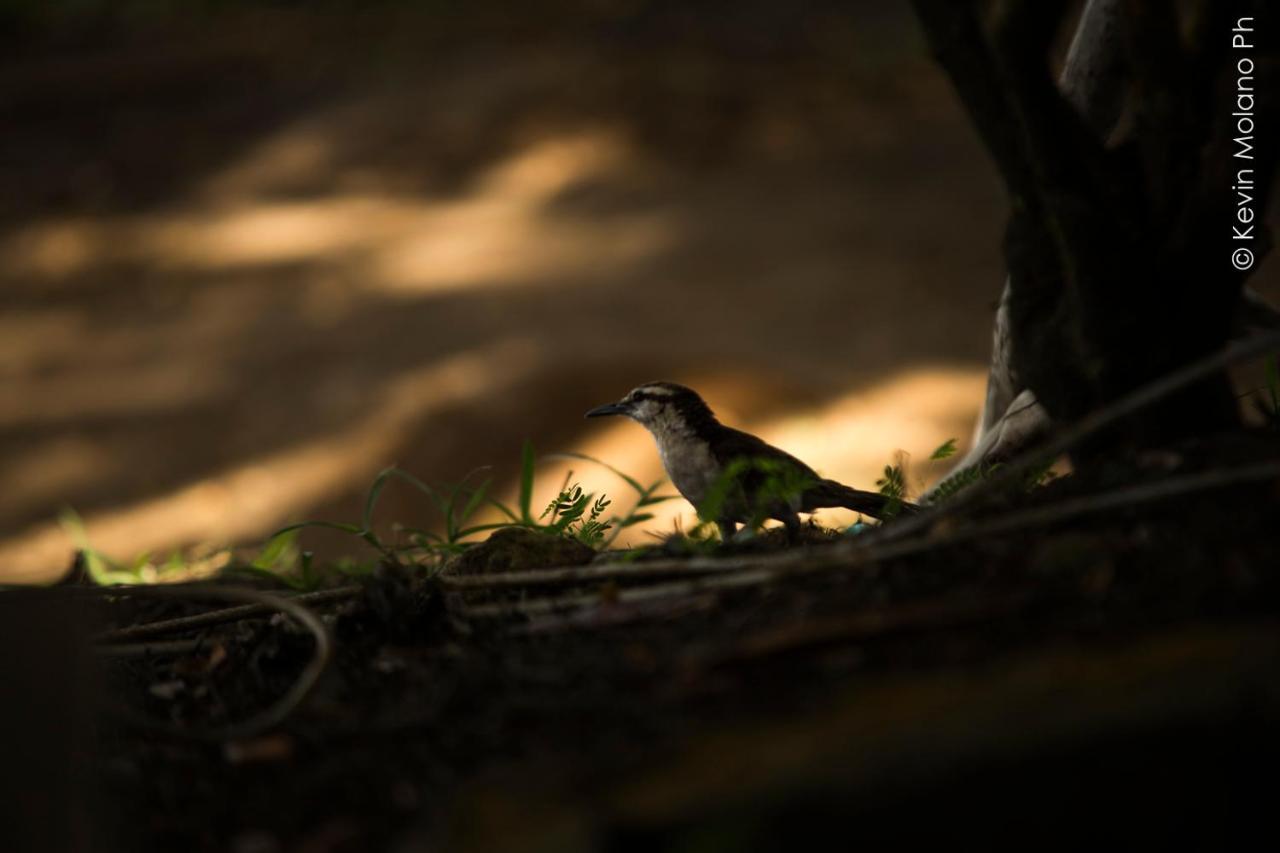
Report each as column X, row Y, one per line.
column 893, row 485
column 646, row 496
column 944, row 451
column 456, row 504
column 576, row 513
column 894, row 482
column 142, row 569
column 101, row 568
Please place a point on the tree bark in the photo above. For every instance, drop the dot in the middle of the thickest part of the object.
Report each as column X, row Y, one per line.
column 1117, row 243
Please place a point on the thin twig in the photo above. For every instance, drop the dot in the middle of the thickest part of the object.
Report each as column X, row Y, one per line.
column 215, row 617
column 266, row 602
column 162, row 648
column 620, row 571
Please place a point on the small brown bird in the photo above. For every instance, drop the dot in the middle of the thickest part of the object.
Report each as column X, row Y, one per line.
column 697, row 450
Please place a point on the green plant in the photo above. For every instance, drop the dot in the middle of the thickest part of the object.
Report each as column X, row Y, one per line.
column 573, row 513
column 893, row 485
column 962, row 479
column 944, row 451
column 759, row 486
column 577, row 514
column 646, row 497
column 955, row 483
column 457, row 504
column 142, row 569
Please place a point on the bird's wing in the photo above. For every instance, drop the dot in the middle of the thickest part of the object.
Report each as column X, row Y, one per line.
column 731, row 445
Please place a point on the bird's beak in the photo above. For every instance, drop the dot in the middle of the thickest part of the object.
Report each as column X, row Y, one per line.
column 609, row 409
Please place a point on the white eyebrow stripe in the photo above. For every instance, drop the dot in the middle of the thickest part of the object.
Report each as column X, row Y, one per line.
column 654, row 390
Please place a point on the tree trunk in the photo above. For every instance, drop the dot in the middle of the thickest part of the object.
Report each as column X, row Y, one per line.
column 1119, row 243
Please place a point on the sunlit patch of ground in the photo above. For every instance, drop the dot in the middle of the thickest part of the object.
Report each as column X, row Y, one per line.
column 412, row 274
column 496, row 233
column 850, row 439
column 251, row 500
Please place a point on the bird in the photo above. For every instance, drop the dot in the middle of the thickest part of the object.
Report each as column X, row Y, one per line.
column 699, row 453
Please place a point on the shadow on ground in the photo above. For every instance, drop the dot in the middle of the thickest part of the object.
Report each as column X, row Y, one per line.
column 251, row 258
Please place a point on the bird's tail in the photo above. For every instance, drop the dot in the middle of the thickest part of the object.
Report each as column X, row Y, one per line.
column 829, row 493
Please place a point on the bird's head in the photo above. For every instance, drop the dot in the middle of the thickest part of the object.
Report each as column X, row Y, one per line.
column 660, row 406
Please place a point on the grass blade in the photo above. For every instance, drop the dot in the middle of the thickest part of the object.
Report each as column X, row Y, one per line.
column 638, row 518
column 650, row 500
column 527, row 462
column 504, row 509
column 375, row 491
column 630, row 481
column 477, row 497
column 277, row 549
column 480, row 528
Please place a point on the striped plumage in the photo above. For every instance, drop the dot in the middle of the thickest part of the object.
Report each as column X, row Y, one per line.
column 696, row 449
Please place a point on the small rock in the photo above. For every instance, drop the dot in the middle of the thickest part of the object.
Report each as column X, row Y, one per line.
column 167, row 690
column 514, row 549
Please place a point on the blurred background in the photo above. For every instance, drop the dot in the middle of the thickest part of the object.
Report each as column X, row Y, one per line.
column 252, row 252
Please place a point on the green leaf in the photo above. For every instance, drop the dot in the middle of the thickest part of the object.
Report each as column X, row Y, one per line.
column 657, row 499
column 424, row 534
column 449, row 506
column 527, row 462
column 480, row 528
column 100, row 567
column 277, row 549
column 631, row 520
column 630, row 481
column 504, row 509
column 375, row 490
column 473, row 503
column 353, row 529
column 945, row 450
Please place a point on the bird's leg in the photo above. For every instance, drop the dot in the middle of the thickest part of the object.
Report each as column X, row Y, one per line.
column 792, row 522
column 727, row 529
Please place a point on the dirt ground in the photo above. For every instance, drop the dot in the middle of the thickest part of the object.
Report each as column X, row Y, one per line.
column 1109, row 672
column 249, row 260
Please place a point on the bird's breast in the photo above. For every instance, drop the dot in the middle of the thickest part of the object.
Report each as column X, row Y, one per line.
column 690, row 465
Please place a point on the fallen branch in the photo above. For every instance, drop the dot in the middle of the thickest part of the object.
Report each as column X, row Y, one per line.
column 595, row 573
column 723, row 574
